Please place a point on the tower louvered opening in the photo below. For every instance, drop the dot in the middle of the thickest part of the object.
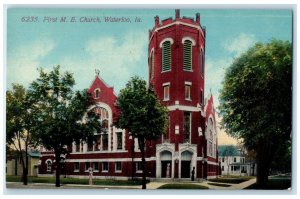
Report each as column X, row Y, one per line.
column 187, row 55
column 152, row 65
column 166, row 56
column 201, row 62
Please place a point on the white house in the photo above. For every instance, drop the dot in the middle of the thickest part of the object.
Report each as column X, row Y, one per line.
column 233, row 161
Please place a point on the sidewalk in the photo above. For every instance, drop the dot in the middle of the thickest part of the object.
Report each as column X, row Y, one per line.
column 156, row 185
column 151, row 185
column 19, row 185
column 243, row 185
column 240, row 186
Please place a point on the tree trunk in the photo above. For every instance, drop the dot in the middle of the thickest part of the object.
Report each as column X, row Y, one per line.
column 26, row 160
column 142, row 148
column 263, row 163
column 24, row 175
column 25, row 170
column 57, row 174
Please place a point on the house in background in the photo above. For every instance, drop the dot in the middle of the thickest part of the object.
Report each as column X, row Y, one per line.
column 14, row 163
column 234, row 161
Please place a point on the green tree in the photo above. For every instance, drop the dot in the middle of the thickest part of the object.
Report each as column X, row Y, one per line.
column 18, row 125
column 256, row 99
column 59, row 113
column 142, row 114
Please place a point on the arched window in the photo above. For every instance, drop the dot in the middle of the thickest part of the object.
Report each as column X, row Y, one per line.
column 102, row 138
column 201, row 62
column 187, row 55
column 210, row 128
column 152, row 64
column 97, row 93
column 49, row 165
column 210, row 139
column 187, row 124
column 101, row 112
column 166, row 56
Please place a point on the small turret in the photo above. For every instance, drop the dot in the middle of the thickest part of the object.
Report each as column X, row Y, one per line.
column 156, row 20
column 177, row 13
column 198, row 18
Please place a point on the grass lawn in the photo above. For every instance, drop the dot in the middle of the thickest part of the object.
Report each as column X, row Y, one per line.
column 182, row 186
column 51, row 180
column 274, row 184
column 231, row 179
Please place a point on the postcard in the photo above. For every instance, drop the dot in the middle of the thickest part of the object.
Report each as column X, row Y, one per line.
column 167, row 92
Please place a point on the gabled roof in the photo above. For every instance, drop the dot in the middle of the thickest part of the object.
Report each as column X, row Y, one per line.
column 210, row 109
column 228, row 150
column 99, row 82
column 34, row 154
column 97, row 78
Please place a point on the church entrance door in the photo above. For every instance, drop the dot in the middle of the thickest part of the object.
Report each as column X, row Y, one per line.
column 185, row 169
column 166, row 164
column 166, row 169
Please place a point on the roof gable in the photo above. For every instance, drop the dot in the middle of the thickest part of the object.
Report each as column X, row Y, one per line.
column 228, row 150
column 210, row 110
column 106, row 92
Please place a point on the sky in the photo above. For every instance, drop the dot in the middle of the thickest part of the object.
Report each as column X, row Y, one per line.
column 119, row 49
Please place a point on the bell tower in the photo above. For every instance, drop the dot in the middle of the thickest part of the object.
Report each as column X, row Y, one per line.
column 176, row 59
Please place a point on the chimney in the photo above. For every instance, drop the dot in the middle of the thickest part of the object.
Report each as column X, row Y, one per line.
column 156, row 20
column 177, row 13
column 198, row 18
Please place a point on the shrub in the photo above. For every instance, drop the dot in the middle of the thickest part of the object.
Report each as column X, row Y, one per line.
column 182, row 186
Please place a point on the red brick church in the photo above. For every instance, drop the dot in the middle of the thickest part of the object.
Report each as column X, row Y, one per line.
column 177, row 71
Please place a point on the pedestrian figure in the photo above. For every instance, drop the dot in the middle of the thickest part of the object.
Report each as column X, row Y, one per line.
column 90, row 176
column 193, row 174
column 168, row 171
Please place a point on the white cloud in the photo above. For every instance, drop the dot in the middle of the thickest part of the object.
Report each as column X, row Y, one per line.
column 22, row 62
column 239, row 44
column 214, row 73
column 216, row 68
column 117, row 58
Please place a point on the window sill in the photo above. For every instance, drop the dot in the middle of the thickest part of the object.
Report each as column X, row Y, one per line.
column 188, row 70
column 118, row 171
column 188, row 99
column 165, row 100
column 87, row 171
column 76, row 171
column 166, row 71
column 104, row 171
column 139, row 171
